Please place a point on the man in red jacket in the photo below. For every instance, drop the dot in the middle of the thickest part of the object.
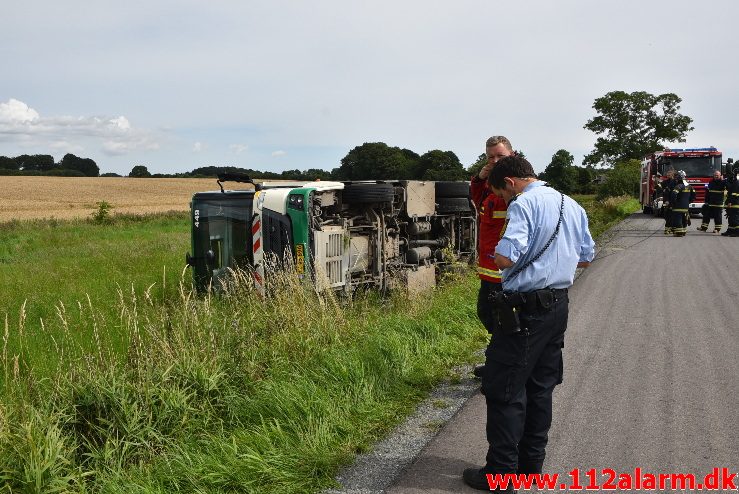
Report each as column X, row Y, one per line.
column 491, row 213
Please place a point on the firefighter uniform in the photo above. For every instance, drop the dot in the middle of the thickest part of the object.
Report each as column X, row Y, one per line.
column 491, row 213
column 714, row 204
column 732, row 209
column 680, row 198
column 659, row 189
column 666, row 187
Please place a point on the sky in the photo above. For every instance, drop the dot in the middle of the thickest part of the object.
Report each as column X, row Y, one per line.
column 275, row 85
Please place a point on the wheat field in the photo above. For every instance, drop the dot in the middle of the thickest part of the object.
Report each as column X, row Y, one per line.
column 26, row 198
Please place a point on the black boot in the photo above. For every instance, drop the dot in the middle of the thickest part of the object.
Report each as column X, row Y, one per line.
column 477, row 479
column 479, row 370
column 529, row 467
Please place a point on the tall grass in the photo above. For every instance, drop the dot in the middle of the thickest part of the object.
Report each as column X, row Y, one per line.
column 227, row 393
column 603, row 214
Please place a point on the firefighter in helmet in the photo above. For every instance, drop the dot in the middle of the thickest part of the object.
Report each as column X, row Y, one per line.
column 680, row 198
column 665, row 189
column 714, row 203
column 732, row 203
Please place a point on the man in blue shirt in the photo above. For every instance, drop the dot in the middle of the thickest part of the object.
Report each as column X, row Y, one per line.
column 545, row 239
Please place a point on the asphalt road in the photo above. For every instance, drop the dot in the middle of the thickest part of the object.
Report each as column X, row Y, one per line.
column 651, row 367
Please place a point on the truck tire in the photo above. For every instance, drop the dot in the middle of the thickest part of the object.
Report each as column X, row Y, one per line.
column 448, row 205
column 368, row 193
column 452, row 189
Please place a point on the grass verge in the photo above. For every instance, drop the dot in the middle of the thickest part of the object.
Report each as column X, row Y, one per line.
column 224, row 394
column 604, row 214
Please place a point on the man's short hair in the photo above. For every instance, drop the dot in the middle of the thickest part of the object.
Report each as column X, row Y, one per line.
column 495, row 140
column 512, row 167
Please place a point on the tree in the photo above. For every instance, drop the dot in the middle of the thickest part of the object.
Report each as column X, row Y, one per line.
column 634, row 124
column 440, row 165
column 377, row 160
column 312, row 174
column 585, row 178
column 84, row 165
column 560, row 173
column 7, row 163
column 622, row 180
column 37, row 162
column 475, row 167
column 139, row 171
column 291, row 175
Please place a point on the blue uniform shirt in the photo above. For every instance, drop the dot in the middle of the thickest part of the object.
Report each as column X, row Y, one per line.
column 530, row 223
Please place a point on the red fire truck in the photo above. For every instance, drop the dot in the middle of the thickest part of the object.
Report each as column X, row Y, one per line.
column 697, row 163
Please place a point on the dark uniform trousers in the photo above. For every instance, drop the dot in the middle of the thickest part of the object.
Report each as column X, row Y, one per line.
column 733, row 219
column 715, row 213
column 732, row 212
column 680, row 198
column 714, row 203
column 521, row 372
column 678, row 221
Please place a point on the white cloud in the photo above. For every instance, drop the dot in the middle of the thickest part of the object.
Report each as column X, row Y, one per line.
column 119, row 147
column 66, row 147
column 278, row 153
column 121, row 123
column 198, row 147
column 15, row 111
column 114, row 148
column 21, row 124
column 238, row 148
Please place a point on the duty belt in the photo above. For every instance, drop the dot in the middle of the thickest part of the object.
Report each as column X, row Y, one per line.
column 529, row 301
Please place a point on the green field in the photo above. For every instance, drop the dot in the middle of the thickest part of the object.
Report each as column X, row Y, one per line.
column 53, row 269
column 115, row 378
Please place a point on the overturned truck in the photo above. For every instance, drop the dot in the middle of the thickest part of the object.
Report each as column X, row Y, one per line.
column 339, row 235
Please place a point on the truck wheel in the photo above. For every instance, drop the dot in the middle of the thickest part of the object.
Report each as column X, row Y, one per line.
column 368, row 193
column 452, row 205
column 452, row 189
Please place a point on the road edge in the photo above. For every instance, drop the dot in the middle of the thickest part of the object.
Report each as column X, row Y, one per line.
column 375, row 471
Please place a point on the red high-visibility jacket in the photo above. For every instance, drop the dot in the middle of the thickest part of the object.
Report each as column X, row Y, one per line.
column 491, row 213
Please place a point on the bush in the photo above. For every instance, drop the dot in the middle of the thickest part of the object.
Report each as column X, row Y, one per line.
column 603, row 214
column 60, row 172
column 139, row 171
column 622, row 180
column 28, row 173
column 102, row 214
